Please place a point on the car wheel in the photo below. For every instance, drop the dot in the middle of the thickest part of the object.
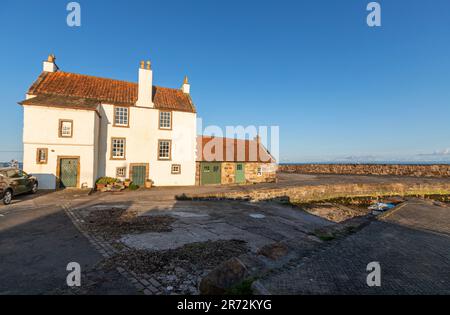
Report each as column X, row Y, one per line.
column 34, row 189
column 7, row 197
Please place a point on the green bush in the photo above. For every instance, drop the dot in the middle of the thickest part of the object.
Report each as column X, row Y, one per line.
column 107, row 180
column 133, row 186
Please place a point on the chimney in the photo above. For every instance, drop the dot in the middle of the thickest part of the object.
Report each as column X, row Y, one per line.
column 186, row 87
column 145, row 85
column 49, row 64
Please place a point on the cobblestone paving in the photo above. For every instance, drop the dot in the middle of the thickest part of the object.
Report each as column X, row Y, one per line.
column 422, row 214
column 412, row 262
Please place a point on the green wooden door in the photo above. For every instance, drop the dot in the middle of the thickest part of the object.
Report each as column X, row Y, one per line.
column 240, row 173
column 68, row 172
column 210, row 173
column 138, row 175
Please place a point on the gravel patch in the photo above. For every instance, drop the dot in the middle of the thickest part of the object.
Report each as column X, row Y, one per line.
column 115, row 222
column 179, row 270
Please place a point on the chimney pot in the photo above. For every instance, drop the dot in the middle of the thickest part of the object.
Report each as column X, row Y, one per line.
column 49, row 64
column 186, row 87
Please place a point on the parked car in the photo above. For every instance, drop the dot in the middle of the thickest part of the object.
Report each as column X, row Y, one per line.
column 15, row 182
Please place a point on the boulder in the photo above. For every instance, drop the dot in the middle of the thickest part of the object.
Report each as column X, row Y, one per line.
column 225, row 276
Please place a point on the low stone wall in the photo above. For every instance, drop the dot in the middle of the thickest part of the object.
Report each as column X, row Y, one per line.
column 436, row 170
column 324, row 192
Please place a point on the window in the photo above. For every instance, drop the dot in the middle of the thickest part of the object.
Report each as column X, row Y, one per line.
column 239, row 167
column 118, row 148
column 121, row 116
column 164, row 149
column 41, row 156
column 65, row 128
column 165, row 120
column 176, row 169
column 259, row 173
column 121, row 172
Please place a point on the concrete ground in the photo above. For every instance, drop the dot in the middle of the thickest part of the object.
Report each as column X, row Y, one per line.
column 38, row 239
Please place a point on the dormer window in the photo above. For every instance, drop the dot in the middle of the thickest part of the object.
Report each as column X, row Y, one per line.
column 165, row 120
column 121, row 116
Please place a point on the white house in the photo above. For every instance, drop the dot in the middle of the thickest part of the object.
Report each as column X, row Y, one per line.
column 78, row 128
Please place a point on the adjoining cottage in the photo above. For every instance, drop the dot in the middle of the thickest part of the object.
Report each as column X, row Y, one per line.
column 78, row 128
column 233, row 161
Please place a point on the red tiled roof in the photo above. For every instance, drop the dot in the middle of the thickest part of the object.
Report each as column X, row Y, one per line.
column 216, row 149
column 107, row 90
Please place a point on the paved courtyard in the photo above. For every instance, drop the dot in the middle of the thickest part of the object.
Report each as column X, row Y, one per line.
column 164, row 245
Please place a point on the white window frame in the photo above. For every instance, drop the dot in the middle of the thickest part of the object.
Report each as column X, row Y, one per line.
column 121, row 168
column 115, row 142
column 165, row 120
column 121, row 116
column 168, row 149
column 174, row 169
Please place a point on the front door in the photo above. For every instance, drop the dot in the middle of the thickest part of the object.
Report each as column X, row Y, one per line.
column 210, row 174
column 138, row 174
column 240, row 173
column 68, row 172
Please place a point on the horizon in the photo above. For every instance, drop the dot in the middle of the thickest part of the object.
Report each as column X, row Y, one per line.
column 337, row 89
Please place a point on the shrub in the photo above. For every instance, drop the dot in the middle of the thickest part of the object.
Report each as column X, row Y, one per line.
column 107, row 180
column 133, row 186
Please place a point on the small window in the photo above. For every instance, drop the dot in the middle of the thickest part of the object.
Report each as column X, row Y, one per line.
column 121, row 172
column 65, row 128
column 121, row 116
column 239, row 167
column 118, row 148
column 259, row 173
column 206, row 169
column 164, row 149
column 215, row 169
column 41, row 156
column 176, row 169
column 165, row 120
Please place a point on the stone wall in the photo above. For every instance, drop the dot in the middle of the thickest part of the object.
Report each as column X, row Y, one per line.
column 324, row 192
column 228, row 173
column 268, row 172
column 437, row 170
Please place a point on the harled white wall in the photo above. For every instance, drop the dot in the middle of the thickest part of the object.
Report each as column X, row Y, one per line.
column 142, row 144
column 41, row 125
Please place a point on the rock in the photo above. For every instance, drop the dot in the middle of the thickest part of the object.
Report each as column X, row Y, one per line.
column 274, row 251
column 225, row 276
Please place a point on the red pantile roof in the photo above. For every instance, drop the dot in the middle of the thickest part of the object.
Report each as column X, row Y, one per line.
column 216, row 149
column 107, row 91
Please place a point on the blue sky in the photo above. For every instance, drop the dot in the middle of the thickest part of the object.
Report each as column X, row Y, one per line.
column 336, row 88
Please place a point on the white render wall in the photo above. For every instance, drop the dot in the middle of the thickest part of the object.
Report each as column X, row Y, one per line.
column 41, row 125
column 142, row 144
